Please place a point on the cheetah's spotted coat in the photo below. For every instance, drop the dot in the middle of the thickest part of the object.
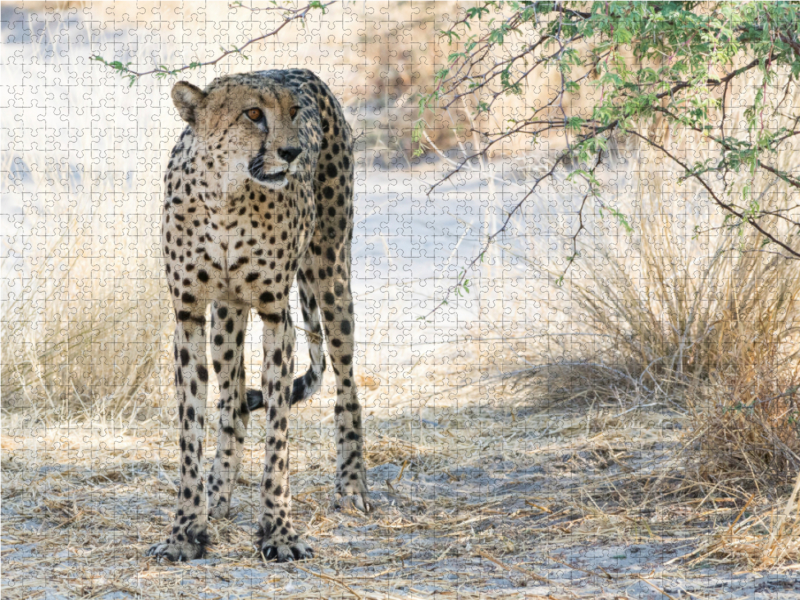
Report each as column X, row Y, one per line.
column 259, row 188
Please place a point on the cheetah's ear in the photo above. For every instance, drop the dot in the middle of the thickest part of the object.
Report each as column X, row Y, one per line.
column 187, row 98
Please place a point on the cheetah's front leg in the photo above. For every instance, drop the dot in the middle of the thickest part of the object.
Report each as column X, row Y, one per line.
column 276, row 535
column 228, row 326
column 189, row 537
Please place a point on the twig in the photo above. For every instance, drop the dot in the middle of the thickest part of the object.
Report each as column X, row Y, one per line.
column 515, row 568
column 459, row 282
column 332, row 580
column 724, row 205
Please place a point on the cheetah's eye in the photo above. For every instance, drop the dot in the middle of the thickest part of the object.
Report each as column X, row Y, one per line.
column 254, row 114
column 293, row 111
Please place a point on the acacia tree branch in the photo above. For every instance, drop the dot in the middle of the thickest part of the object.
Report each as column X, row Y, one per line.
column 490, row 240
column 467, row 159
column 714, row 196
column 725, row 145
column 581, row 226
column 491, row 74
column 290, row 15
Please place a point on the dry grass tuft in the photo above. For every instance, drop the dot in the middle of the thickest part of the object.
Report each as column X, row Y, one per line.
column 700, row 319
column 84, row 336
column 748, row 423
column 761, row 537
column 719, row 338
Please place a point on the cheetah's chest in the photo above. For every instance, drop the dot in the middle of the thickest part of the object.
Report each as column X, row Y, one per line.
column 251, row 249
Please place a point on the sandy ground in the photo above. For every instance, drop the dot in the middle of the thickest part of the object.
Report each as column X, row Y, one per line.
column 489, row 500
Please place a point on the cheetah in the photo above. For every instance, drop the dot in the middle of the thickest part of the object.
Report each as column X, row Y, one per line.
column 259, row 191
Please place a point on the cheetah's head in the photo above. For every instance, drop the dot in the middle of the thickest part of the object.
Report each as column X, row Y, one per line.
column 245, row 130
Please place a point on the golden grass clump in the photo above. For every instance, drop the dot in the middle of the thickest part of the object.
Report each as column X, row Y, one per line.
column 761, row 537
column 84, row 336
column 748, row 420
column 699, row 317
column 704, row 313
column 716, row 335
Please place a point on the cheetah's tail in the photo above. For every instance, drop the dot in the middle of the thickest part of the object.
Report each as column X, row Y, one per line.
column 301, row 390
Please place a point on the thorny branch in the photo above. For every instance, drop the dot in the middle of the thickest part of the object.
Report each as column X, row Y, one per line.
column 490, row 240
column 469, row 76
column 714, row 196
column 289, row 15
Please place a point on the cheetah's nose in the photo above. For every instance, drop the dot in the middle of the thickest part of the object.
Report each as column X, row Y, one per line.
column 289, row 154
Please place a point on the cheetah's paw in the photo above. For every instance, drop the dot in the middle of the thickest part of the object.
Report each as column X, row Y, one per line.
column 219, row 506
column 286, row 553
column 177, row 551
column 364, row 502
column 284, row 548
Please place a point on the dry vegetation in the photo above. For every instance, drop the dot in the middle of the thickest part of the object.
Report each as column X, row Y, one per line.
column 501, row 458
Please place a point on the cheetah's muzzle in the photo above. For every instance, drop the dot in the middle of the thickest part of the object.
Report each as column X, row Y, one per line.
column 256, row 169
